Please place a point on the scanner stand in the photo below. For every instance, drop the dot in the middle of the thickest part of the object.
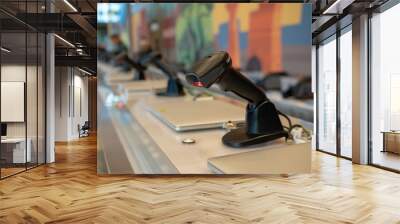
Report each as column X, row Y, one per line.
column 263, row 125
column 174, row 88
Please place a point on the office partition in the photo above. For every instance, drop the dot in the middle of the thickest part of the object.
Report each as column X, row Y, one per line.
column 22, row 77
column 15, row 149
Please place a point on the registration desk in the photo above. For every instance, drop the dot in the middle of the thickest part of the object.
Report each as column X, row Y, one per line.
column 133, row 141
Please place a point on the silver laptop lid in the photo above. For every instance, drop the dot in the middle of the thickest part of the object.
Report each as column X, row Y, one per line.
column 185, row 115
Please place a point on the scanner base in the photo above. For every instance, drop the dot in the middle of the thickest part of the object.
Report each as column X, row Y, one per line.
column 167, row 94
column 239, row 138
column 174, row 88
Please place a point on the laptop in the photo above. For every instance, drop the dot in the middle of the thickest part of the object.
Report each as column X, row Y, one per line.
column 116, row 78
column 145, row 85
column 185, row 115
column 282, row 159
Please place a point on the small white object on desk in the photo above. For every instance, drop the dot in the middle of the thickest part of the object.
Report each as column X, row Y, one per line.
column 188, row 141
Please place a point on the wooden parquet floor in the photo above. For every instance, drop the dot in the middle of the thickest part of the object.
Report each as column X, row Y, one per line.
column 69, row 191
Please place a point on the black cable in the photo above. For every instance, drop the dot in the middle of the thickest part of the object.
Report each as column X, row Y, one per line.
column 291, row 127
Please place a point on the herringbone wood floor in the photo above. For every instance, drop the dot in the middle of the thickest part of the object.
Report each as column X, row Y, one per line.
column 69, row 191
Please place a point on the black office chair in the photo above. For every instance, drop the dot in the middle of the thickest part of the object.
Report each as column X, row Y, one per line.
column 84, row 130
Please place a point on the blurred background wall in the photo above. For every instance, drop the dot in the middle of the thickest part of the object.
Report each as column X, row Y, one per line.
column 259, row 37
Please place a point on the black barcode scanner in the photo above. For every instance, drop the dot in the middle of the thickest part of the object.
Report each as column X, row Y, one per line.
column 124, row 58
column 174, row 87
column 262, row 118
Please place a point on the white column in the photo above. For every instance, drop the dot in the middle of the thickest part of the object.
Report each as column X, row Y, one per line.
column 360, row 90
column 63, row 103
column 50, row 98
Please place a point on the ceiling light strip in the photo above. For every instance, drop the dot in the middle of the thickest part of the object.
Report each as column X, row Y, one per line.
column 64, row 40
column 84, row 71
column 337, row 7
column 326, row 11
column 5, row 50
column 70, row 5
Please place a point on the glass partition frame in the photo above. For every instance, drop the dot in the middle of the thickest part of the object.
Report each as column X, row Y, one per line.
column 335, row 150
column 32, row 64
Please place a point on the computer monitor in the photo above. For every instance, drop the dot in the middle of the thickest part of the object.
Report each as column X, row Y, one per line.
column 3, row 130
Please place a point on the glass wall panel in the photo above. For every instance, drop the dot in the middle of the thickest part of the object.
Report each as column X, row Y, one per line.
column 346, row 94
column 385, row 89
column 327, row 96
column 22, row 88
column 32, row 85
column 15, row 149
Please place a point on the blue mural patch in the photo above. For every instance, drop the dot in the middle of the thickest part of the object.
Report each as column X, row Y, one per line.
column 299, row 34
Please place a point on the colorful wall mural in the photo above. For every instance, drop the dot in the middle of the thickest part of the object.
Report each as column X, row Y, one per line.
column 258, row 36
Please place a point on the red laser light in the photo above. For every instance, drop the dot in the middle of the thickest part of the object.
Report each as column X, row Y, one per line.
column 198, row 84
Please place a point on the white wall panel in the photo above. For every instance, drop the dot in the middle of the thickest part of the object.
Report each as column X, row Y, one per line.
column 12, row 101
